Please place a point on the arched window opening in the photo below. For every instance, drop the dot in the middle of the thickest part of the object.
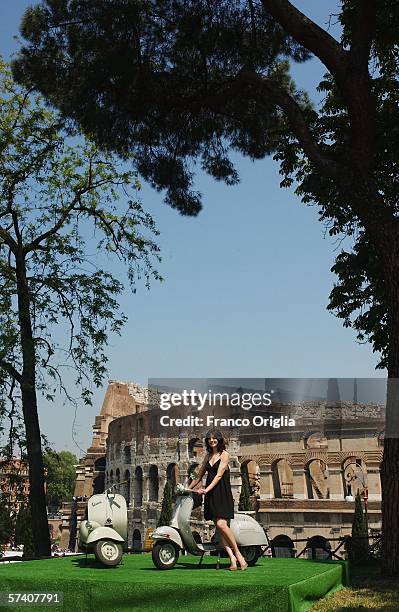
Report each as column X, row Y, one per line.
column 138, row 487
column 153, row 484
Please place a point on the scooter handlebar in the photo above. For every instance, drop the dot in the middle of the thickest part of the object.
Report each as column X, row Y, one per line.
column 114, row 486
column 182, row 490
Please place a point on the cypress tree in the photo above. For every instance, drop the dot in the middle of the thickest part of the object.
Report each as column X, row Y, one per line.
column 166, row 511
column 360, row 546
column 6, row 524
column 23, row 532
column 245, row 501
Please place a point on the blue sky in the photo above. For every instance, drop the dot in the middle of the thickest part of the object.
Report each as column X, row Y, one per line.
column 246, row 283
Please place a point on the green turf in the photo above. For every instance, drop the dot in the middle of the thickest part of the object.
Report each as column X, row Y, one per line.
column 291, row 585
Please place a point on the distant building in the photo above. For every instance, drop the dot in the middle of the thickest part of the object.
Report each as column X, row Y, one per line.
column 14, row 482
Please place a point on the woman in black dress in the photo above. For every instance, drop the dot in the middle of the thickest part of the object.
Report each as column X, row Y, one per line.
column 219, row 503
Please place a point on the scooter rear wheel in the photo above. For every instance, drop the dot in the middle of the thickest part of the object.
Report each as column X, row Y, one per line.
column 165, row 555
column 251, row 553
column 108, row 552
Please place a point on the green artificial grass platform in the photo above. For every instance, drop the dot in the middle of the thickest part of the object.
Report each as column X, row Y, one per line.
column 291, row 585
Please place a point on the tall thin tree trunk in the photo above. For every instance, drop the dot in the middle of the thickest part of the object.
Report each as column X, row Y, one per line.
column 390, row 510
column 37, row 497
column 390, row 462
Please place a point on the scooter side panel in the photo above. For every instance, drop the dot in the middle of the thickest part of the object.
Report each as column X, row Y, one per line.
column 247, row 531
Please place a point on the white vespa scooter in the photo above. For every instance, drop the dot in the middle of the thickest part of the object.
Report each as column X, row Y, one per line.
column 105, row 529
column 176, row 537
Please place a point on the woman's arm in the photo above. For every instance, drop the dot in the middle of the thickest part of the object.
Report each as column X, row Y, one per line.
column 224, row 462
column 201, row 473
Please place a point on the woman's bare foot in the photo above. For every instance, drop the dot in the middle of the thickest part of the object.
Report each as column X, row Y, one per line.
column 242, row 562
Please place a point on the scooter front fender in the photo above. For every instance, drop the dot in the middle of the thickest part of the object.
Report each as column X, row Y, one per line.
column 103, row 533
column 168, row 534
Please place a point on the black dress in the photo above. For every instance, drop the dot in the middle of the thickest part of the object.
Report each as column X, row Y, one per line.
column 219, row 501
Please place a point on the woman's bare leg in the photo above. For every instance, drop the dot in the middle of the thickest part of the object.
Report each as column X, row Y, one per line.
column 233, row 560
column 224, row 543
column 229, row 538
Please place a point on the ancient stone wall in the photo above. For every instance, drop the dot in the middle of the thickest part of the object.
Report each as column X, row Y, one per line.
column 297, row 476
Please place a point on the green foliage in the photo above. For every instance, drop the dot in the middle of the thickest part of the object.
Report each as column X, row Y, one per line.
column 167, row 506
column 245, row 501
column 6, row 523
column 23, row 531
column 192, row 472
column 60, row 477
column 59, row 203
column 359, row 544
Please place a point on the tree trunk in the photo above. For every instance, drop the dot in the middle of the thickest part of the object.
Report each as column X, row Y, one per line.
column 390, row 462
column 390, row 513
column 37, row 497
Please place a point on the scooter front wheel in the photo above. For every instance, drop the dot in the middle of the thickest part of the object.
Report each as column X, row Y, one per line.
column 165, row 555
column 108, row 552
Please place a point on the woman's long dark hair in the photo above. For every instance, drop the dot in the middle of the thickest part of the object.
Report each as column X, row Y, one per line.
column 215, row 433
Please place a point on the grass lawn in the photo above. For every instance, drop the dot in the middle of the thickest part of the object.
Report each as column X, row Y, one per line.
column 283, row 585
column 368, row 591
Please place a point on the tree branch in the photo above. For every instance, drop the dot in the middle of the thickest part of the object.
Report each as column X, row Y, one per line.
column 308, row 33
column 297, row 121
column 98, row 215
column 351, row 76
column 50, row 349
column 9, row 368
column 359, row 98
column 8, row 240
column 35, row 244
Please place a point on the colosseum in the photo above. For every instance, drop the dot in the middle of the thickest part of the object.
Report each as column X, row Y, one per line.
column 302, row 479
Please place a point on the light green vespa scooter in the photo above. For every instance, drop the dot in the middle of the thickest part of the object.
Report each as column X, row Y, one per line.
column 170, row 539
column 105, row 529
